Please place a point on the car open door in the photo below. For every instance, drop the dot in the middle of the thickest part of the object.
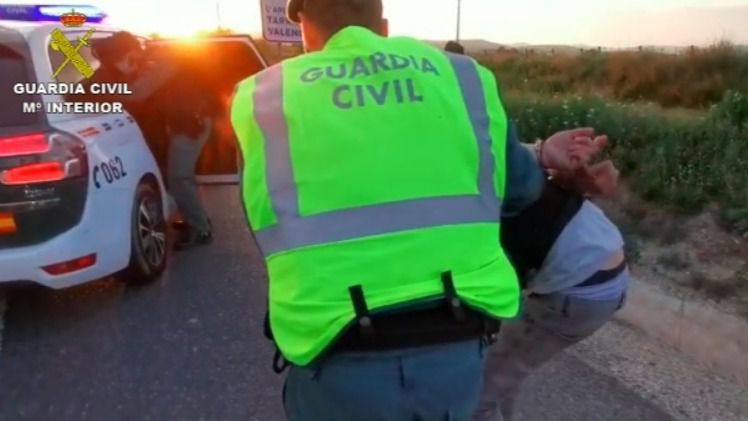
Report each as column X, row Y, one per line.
column 234, row 58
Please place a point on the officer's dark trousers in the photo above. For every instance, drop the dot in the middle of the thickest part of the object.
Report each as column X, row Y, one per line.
column 184, row 153
column 436, row 383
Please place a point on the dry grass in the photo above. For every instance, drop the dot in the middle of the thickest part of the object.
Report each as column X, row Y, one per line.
column 674, row 260
column 695, row 78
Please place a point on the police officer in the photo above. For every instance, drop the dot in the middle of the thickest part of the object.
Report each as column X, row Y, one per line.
column 374, row 171
column 173, row 91
column 121, row 61
column 190, row 106
column 120, row 56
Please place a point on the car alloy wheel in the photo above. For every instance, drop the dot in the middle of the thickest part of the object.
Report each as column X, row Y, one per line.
column 151, row 231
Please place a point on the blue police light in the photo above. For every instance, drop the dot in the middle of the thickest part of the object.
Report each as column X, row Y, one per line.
column 48, row 13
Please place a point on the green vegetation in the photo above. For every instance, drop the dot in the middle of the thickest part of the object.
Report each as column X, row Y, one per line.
column 682, row 160
column 678, row 123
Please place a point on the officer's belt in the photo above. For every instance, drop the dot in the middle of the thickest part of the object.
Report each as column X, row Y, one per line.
column 442, row 321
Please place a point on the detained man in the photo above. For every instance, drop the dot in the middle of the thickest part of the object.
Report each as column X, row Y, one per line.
column 570, row 260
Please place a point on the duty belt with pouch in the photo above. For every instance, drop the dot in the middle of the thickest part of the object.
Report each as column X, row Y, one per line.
column 435, row 322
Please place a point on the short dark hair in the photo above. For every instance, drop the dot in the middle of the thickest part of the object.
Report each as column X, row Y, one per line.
column 116, row 46
column 454, row 47
column 333, row 15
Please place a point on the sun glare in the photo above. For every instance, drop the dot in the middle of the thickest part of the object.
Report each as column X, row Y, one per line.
column 608, row 23
column 176, row 31
column 193, row 37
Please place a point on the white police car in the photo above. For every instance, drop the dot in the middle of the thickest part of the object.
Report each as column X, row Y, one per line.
column 81, row 195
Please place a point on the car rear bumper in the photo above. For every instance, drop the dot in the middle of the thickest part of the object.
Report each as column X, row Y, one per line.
column 108, row 241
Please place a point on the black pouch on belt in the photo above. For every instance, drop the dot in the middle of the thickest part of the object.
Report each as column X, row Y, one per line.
column 437, row 321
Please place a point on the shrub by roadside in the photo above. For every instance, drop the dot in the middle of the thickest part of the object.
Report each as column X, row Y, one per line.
column 685, row 161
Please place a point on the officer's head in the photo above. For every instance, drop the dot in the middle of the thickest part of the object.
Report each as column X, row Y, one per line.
column 123, row 51
column 454, row 47
column 321, row 19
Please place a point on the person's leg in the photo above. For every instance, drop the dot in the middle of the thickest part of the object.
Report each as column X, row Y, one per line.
column 547, row 325
column 428, row 384
column 184, row 152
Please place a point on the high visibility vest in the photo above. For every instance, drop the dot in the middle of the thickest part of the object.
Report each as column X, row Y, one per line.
column 378, row 164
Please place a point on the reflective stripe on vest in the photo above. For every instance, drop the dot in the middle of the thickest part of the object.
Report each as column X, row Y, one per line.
column 294, row 231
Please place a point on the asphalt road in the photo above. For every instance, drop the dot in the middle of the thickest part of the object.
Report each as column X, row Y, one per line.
column 190, row 347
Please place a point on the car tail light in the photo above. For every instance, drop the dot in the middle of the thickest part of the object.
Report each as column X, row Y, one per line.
column 34, row 173
column 42, row 158
column 71, row 265
column 7, row 223
column 30, row 144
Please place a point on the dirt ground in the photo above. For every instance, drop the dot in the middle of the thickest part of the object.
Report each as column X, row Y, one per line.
column 690, row 257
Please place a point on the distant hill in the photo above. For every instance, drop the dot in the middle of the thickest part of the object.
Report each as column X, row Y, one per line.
column 474, row 46
column 477, row 46
column 480, row 45
column 471, row 45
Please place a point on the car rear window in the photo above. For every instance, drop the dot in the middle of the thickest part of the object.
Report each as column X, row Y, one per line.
column 15, row 67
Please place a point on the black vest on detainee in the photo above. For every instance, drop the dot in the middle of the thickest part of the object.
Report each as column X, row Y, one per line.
column 528, row 237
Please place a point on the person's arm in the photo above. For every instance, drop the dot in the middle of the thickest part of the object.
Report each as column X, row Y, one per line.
column 567, row 152
column 521, row 184
column 148, row 83
column 525, row 178
column 143, row 88
column 518, row 178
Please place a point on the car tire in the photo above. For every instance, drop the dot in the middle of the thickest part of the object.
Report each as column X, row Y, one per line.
column 149, row 246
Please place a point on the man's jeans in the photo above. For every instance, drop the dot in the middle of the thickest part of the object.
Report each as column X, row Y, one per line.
column 184, row 152
column 436, row 383
column 548, row 324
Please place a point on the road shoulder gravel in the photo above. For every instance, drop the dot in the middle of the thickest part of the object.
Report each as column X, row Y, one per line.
column 701, row 332
column 686, row 389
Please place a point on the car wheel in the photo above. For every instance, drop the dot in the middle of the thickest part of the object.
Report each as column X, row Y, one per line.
column 149, row 245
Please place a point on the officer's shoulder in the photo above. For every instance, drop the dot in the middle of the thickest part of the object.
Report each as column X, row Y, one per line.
column 243, row 84
column 302, row 60
column 246, row 85
column 249, row 80
column 293, row 62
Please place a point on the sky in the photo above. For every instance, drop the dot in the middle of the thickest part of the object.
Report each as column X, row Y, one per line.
column 608, row 23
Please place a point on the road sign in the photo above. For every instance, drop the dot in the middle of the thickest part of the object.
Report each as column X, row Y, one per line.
column 275, row 25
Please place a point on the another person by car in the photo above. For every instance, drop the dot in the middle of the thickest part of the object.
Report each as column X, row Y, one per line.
column 191, row 105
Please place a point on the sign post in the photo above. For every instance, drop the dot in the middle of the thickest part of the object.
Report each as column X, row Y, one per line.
column 275, row 25
column 459, row 19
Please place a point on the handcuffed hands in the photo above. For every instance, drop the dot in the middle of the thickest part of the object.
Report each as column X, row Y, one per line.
column 598, row 180
column 567, row 156
column 570, row 150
